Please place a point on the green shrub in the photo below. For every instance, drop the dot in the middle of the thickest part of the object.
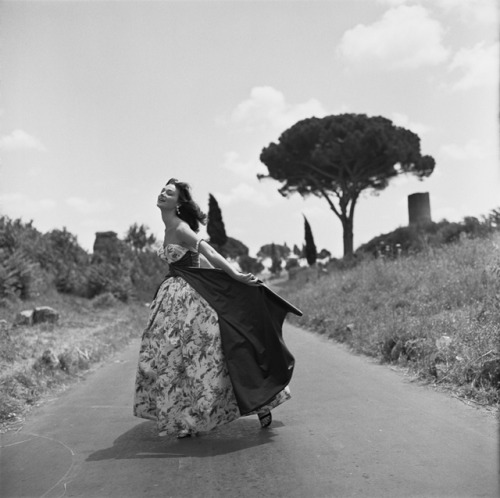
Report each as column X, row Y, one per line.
column 16, row 275
column 106, row 300
column 32, row 262
column 401, row 311
column 416, row 238
column 147, row 273
column 103, row 277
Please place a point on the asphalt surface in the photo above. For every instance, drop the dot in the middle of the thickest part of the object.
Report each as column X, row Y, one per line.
column 352, row 429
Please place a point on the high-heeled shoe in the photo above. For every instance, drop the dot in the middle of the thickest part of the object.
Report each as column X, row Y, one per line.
column 265, row 419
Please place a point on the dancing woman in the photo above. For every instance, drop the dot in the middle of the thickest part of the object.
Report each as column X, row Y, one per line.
column 212, row 350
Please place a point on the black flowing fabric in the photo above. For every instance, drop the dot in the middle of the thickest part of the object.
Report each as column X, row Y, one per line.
column 250, row 321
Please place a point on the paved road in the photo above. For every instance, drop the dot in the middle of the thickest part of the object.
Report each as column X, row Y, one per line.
column 353, row 428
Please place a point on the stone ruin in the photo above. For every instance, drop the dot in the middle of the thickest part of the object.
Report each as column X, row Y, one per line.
column 419, row 208
column 107, row 247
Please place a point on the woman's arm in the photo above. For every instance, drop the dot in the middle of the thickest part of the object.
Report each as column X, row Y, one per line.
column 193, row 242
column 204, row 263
column 220, row 262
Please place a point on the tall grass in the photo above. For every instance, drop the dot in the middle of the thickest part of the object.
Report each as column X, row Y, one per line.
column 436, row 312
column 41, row 359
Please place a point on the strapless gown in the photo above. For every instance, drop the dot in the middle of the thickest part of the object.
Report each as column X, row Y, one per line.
column 204, row 361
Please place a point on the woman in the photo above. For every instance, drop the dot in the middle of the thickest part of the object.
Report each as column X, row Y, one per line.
column 212, row 350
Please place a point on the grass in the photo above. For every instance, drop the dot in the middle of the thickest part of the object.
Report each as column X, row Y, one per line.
column 42, row 359
column 436, row 313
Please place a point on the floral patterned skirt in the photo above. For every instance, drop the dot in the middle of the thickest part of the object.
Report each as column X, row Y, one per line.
column 182, row 380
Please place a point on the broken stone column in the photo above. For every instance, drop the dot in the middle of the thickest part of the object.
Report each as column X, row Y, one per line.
column 419, row 208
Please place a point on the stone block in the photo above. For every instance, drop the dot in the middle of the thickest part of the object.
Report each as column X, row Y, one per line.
column 24, row 317
column 45, row 314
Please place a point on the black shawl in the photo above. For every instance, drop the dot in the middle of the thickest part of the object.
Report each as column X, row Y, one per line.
column 250, row 321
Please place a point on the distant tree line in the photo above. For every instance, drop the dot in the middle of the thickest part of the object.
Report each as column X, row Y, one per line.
column 32, row 262
column 413, row 239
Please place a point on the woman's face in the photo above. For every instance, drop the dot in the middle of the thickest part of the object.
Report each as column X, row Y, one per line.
column 168, row 198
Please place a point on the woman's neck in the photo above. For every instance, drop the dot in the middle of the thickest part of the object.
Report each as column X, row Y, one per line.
column 169, row 218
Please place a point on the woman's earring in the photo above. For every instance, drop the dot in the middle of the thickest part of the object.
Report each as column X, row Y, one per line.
column 177, row 210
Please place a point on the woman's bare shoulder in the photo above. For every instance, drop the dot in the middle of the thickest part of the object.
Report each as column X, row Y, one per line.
column 183, row 229
column 185, row 234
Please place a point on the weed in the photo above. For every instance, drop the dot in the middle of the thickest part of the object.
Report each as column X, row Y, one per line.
column 35, row 360
column 436, row 312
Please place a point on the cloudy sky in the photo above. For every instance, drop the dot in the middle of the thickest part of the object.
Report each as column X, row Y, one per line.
column 102, row 102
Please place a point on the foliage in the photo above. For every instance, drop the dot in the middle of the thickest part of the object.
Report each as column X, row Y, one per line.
column 32, row 263
column 67, row 261
column 16, row 274
column 105, row 300
column 105, row 276
column 21, row 254
column 416, row 238
column 35, row 360
column 274, row 250
column 324, row 254
column 310, row 246
column 275, row 260
column 493, row 219
column 291, row 264
column 147, row 273
column 215, row 225
column 112, row 266
column 137, row 237
column 234, row 249
column 228, row 246
column 338, row 157
column 435, row 312
column 250, row 265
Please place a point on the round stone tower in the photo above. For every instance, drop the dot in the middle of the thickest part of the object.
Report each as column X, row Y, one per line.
column 419, row 208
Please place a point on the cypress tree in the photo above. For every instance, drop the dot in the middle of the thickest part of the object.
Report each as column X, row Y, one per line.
column 215, row 226
column 275, row 260
column 310, row 247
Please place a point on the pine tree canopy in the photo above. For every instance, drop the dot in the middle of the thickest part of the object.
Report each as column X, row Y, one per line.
column 338, row 157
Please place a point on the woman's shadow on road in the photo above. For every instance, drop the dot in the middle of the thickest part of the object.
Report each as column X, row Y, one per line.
column 142, row 441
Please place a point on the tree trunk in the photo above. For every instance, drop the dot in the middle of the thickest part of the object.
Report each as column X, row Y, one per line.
column 347, row 225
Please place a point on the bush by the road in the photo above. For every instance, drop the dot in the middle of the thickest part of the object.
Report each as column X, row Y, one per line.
column 34, row 263
column 436, row 312
column 42, row 358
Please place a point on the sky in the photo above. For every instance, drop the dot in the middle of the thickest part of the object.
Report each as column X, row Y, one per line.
column 102, row 102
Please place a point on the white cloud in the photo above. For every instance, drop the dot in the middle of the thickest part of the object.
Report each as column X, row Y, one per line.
column 475, row 165
column 247, row 193
column 267, row 107
column 473, row 149
column 20, row 205
column 317, row 211
column 405, row 37
column 478, row 66
column 84, row 206
column 20, row 140
column 447, row 213
column 400, row 119
column 393, row 3
column 245, row 169
column 47, row 203
column 481, row 11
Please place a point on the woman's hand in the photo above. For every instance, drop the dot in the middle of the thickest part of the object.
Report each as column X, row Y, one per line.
column 218, row 261
column 247, row 278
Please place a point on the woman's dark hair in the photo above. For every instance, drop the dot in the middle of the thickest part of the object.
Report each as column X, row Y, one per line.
column 188, row 210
